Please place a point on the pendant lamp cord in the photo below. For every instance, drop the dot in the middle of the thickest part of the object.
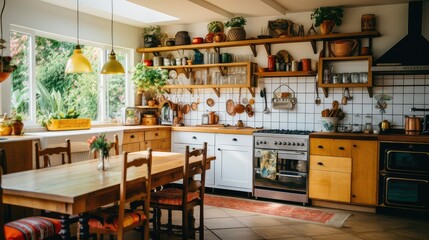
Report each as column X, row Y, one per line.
column 1, row 31
column 111, row 27
column 77, row 18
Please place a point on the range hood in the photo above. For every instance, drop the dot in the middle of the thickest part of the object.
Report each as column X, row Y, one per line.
column 411, row 54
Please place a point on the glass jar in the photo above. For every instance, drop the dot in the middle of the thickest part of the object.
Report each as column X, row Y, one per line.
column 363, row 77
column 355, row 77
column 271, row 63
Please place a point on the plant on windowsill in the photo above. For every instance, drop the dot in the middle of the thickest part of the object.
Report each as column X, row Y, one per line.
column 17, row 125
column 327, row 17
column 236, row 31
column 149, row 80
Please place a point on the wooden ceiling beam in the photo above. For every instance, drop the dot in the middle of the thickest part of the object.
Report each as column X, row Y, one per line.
column 213, row 8
column 274, row 5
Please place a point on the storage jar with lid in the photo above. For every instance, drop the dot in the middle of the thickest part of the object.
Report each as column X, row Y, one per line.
column 205, row 119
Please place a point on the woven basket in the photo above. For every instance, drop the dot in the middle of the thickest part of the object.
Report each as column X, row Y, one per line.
column 236, row 33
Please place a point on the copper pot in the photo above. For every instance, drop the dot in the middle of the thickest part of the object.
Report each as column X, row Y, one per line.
column 413, row 125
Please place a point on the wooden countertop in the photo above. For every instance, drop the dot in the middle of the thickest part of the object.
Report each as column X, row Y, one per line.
column 226, row 130
column 375, row 137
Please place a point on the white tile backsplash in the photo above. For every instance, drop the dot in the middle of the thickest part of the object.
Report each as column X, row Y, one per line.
column 306, row 114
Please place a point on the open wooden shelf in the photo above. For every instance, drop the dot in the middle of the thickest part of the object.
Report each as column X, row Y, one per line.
column 252, row 43
column 250, row 82
column 286, row 74
column 326, row 86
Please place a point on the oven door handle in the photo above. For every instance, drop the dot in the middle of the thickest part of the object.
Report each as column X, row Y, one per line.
column 291, row 153
column 288, row 175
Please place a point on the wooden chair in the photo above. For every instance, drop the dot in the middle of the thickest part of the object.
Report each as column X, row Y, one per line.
column 115, row 145
column 26, row 227
column 184, row 199
column 45, row 153
column 116, row 220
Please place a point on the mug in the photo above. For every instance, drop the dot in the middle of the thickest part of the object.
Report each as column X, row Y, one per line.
column 213, row 118
column 226, row 58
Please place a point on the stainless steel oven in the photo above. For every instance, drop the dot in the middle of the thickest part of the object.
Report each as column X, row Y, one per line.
column 289, row 175
column 404, row 175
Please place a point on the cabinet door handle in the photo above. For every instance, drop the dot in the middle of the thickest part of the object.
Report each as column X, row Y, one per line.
column 353, row 195
column 193, row 149
column 320, row 146
column 219, row 149
column 234, row 140
column 156, row 134
column 320, row 163
column 354, row 145
column 193, row 137
column 341, row 148
column 132, row 136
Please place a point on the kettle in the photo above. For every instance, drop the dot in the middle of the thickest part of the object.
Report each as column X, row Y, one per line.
column 384, row 125
column 413, row 125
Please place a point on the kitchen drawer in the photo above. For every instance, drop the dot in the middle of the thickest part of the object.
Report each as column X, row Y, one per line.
column 332, row 164
column 332, row 186
column 236, row 140
column 133, row 137
column 153, row 135
column 193, row 138
column 131, row 147
column 330, row 147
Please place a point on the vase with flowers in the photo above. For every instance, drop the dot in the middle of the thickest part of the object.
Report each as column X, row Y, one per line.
column 101, row 144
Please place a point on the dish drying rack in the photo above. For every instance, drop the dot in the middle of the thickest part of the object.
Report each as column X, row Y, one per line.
column 283, row 100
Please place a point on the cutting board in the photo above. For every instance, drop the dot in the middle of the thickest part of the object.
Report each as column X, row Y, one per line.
column 210, row 125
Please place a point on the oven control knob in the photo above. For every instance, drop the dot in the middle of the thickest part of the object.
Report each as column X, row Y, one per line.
column 302, row 144
column 265, row 142
column 289, row 143
column 275, row 143
column 293, row 144
column 280, row 143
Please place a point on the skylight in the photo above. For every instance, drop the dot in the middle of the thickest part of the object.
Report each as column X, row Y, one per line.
column 123, row 10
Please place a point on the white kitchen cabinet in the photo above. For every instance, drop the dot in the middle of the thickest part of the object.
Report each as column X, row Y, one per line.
column 234, row 156
column 195, row 140
column 232, row 169
column 210, row 173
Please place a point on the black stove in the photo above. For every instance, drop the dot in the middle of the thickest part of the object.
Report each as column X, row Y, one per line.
column 284, row 131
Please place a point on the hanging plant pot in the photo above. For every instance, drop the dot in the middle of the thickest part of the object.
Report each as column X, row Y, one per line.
column 4, row 76
column 236, row 33
column 326, row 26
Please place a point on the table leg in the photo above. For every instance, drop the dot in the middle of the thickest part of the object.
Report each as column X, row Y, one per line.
column 65, row 227
column 83, row 226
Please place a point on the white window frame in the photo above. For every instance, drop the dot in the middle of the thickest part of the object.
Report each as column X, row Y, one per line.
column 102, row 79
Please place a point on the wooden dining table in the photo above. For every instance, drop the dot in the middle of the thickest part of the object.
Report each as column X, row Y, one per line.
column 79, row 188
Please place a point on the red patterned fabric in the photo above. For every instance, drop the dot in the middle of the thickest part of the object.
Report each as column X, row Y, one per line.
column 108, row 218
column 32, row 228
column 171, row 196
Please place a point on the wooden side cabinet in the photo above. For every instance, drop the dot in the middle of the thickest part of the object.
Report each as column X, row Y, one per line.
column 138, row 140
column 19, row 155
column 343, row 170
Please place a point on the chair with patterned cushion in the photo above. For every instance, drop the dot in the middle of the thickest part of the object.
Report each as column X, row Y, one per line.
column 115, row 146
column 185, row 199
column 45, row 153
column 27, row 228
column 117, row 220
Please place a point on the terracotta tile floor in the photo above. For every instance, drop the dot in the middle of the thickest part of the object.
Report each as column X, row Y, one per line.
column 236, row 225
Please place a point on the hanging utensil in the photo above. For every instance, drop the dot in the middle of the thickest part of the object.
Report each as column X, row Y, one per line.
column 317, row 101
column 210, row 102
column 264, row 95
column 239, row 108
column 230, row 107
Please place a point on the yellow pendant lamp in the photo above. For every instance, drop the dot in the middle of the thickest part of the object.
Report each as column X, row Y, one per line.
column 78, row 63
column 112, row 66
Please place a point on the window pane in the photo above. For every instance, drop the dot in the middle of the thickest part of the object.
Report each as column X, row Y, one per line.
column 20, row 53
column 115, row 95
column 59, row 93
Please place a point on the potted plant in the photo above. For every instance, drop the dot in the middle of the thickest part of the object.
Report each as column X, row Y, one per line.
column 153, row 36
column 5, row 67
column 5, row 126
column 148, row 80
column 215, row 30
column 236, row 31
column 17, row 125
column 327, row 17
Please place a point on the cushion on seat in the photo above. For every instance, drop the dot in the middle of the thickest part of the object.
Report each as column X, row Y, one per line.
column 171, row 196
column 32, row 228
column 108, row 218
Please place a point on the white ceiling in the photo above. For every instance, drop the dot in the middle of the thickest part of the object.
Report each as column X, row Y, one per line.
column 172, row 12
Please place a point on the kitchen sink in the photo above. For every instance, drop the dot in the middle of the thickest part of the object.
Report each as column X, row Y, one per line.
column 3, row 138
